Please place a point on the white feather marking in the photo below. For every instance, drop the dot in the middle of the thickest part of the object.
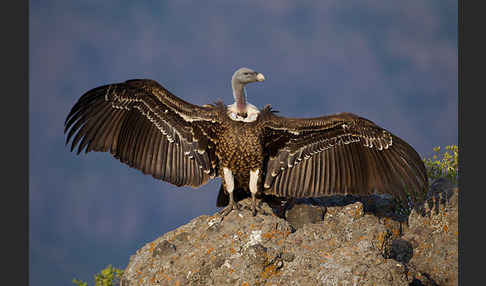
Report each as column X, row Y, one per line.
column 251, row 113
column 229, row 179
column 254, row 181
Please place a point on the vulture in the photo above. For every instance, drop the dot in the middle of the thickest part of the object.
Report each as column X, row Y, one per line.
column 254, row 151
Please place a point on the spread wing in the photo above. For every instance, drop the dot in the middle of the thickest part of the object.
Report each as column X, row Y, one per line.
column 339, row 154
column 145, row 126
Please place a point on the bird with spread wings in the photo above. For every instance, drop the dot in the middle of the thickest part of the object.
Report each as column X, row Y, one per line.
column 256, row 151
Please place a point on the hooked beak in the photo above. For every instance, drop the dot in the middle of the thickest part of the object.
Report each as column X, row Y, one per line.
column 260, row 77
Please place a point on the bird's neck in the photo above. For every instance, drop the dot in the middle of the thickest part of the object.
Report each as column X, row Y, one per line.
column 239, row 93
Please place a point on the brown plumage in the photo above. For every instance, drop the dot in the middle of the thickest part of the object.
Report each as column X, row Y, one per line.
column 145, row 126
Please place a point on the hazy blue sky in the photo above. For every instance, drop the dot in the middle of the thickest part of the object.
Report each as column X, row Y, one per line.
column 393, row 62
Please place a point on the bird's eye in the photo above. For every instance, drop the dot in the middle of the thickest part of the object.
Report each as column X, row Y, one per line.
column 245, row 73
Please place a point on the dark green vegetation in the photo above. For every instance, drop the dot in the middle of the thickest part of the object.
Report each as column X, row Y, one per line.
column 444, row 164
column 109, row 276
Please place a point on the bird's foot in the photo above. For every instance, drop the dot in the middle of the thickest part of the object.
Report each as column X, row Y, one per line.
column 231, row 206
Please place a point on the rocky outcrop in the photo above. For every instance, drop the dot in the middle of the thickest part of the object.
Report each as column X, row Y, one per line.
column 354, row 241
column 434, row 237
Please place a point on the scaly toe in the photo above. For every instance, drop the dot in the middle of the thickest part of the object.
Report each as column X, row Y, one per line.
column 224, row 212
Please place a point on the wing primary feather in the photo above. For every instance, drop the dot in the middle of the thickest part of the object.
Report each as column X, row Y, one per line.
column 291, row 182
column 106, row 137
column 396, row 184
column 85, row 102
column 124, row 137
column 297, row 187
column 276, row 188
column 337, row 163
column 193, row 175
column 143, row 154
column 78, row 125
column 139, row 144
column 346, row 174
column 358, row 182
column 287, row 182
column 370, row 167
column 190, row 177
column 415, row 181
column 343, row 167
column 115, row 136
column 173, row 163
column 78, row 112
column 147, row 150
column 374, row 168
column 323, row 177
column 320, row 175
column 307, row 175
column 134, row 139
column 382, row 179
column 315, row 175
column 97, row 132
column 180, row 167
column 90, row 127
column 156, row 157
column 187, row 176
column 155, row 146
column 150, row 151
column 364, row 169
column 301, row 187
column 332, row 171
column 91, row 120
column 412, row 158
column 387, row 171
column 168, row 163
column 162, row 156
column 350, row 168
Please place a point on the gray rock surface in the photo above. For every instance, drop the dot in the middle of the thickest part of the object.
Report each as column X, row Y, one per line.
column 434, row 237
column 349, row 246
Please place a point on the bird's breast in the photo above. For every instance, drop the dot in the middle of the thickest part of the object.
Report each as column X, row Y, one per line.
column 240, row 147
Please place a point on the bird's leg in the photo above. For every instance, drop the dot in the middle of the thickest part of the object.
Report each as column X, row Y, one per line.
column 254, row 189
column 230, row 186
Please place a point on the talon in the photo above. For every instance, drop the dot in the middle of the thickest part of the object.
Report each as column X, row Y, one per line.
column 231, row 206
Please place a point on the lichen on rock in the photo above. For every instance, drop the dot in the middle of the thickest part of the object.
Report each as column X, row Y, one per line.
column 350, row 245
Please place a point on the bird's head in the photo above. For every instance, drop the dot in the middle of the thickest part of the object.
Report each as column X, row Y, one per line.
column 245, row 75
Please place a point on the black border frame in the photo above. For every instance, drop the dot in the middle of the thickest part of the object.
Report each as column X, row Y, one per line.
column 15, row 115
column 471, row 89
column 15, row 144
